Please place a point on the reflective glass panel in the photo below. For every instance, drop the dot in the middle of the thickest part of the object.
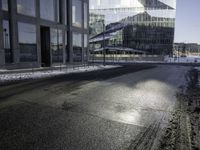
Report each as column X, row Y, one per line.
column 26, row 7
column 57, row 45
column 6, row 41
column 77, row 47
column 85, row 15
column 6, row 34
column 47, row 9
column 77, row 13
column 27, row 42
column 4, row 5
column 85, row 47
column 142, row 26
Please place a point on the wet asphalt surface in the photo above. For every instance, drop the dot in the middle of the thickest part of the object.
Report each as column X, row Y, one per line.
column 102, row 110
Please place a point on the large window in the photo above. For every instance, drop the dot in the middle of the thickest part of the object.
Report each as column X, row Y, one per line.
column 5, row 5
column 66, row 18
column 77, row 13
column 85, row 47
column 58, row 9
column 77, row 47
column 6, row 34
column 47, row 9
column 66, row 48
column 57, row 45
column 26, row 7
column 85, row 15
column 27, row 42
column 6, row 41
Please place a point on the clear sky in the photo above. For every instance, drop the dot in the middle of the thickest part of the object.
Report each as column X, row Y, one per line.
column 188, row 21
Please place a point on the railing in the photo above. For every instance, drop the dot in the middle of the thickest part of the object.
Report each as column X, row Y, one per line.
column 125, row 58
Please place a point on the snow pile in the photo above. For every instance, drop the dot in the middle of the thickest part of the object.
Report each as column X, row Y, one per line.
column 188, row 59
column 10, row 77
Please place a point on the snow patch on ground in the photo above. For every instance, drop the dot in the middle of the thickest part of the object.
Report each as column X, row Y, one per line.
column 188, row 59
column 10, row 77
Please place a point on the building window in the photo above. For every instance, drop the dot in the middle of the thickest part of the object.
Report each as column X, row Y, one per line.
column 66, row 48
column 27, row 42
column 26, row 7
column 66, row 17
column 6, row 34
column 85, row 15
column 47, row 9
column 77, row 47
column 58, row 9
column 57, row 45
column 85, row 47
column 4, row 5
column 77, row 13
column 6, row 41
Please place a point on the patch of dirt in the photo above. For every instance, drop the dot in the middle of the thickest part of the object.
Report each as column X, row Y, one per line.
column 183, row 130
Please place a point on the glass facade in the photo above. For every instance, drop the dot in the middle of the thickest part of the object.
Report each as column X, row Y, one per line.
column 49, row 32
column 77, row 13
column 85, row 15
column 77, row 47
column 4, row 4
column 26, row 7
column 65, row 10
column 66, row 48
column 6, row 34
column 27, row 42
column 6, row 41
column 47, row 9
column 138, row 25
column 57, row 45
column 58, row 9
column 85, row 47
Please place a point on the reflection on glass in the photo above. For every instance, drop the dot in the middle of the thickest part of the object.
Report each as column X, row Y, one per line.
column 77, row 47
column 6, row 34
column 58, row 9
column 27, row 42
column 4, row 5
column 77, row 13
column 66, row 48
column 85, row 15
column 138, row 26
column 85, row 47
column 47, row 9
column 6, row 41
column 85, row 40
column 26, row 7
column 57, row 45
column 65, row 3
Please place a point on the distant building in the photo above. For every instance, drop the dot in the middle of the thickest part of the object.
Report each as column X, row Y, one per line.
column 44, row 33
column 145, row 26
column 186, row 49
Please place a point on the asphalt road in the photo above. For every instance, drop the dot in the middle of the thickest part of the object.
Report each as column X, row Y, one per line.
column 121, row 108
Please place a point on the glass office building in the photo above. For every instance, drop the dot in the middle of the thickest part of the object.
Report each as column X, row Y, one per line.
column 35, row 33
column 138, row 26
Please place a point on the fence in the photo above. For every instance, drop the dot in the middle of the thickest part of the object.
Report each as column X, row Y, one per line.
column 125, row 58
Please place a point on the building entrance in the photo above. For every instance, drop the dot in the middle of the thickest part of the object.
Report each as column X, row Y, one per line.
column 45, row 46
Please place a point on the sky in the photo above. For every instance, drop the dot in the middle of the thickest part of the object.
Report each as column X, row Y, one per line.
column 188, row 21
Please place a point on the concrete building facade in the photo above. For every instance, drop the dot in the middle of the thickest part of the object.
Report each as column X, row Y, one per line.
column 43, row 33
